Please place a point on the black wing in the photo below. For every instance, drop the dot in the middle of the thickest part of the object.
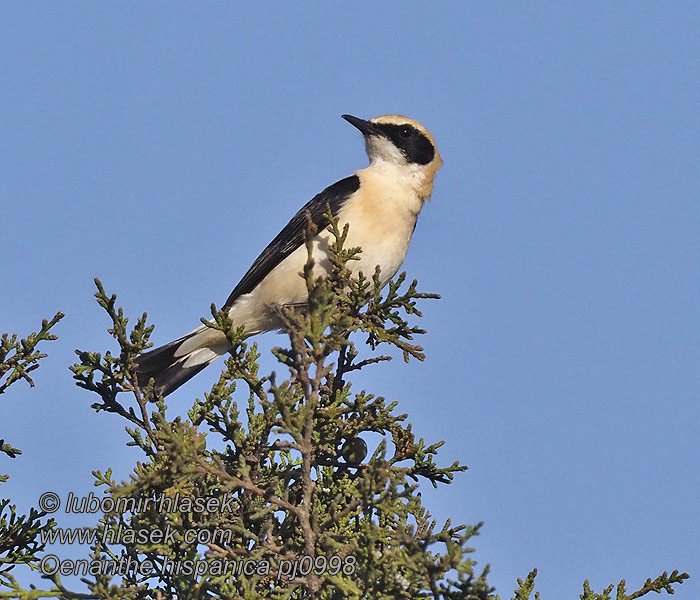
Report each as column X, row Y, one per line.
column 292, row 236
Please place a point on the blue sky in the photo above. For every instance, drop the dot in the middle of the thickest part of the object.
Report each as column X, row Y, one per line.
column 161, row 146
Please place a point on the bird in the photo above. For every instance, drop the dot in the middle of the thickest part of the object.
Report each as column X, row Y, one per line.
column 380, row 203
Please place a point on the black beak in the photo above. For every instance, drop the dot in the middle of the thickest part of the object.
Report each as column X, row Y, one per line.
column 366, row 127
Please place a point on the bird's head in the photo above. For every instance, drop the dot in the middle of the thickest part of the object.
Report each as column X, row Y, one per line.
column 395, row 141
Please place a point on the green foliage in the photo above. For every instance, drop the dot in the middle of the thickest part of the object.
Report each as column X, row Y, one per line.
column 288, row 459
column 20, row 535
column 663, row 583
column 299, row 506
column 20, row 538
column 18, row 358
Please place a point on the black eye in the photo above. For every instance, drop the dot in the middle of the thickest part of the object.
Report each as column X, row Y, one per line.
column 405, row 132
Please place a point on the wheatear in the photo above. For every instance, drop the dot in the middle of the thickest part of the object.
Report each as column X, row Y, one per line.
column 381, row 204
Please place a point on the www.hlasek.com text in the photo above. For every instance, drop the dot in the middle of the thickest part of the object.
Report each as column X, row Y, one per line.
column 126, row 535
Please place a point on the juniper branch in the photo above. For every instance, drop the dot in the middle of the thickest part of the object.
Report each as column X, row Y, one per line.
column 18, row 357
